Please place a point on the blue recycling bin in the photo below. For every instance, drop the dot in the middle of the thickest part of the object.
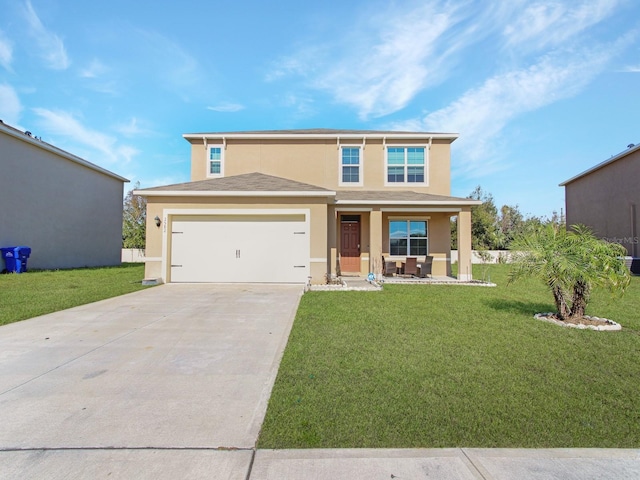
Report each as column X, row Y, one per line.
column 15, row 258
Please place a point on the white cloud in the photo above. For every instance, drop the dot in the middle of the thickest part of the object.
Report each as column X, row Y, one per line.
column 380, row 65
column 551, row 23
column 382, row 61
column 227, row 107
column 64, row 124
column 6, row 51
column 51, row 47
column 94, row 69
column 10, row 107
column 481, row 114
column 132, row 128
column 631, row 69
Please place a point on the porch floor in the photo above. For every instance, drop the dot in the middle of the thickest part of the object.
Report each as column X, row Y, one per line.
column 362, row 284
column 434, row 280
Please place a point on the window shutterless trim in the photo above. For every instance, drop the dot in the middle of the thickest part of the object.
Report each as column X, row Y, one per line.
column 210, row 161
column 341, row 181
column 409, row 238
column 405, row 166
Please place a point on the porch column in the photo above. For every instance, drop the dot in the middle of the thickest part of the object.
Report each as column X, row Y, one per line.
column 464, row 245
column 375, row 242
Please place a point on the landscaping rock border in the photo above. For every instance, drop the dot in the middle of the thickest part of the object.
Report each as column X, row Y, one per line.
column 605, row 326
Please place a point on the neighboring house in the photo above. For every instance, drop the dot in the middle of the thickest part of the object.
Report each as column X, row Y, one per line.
column 69, row 211
column 606, row 198
column 306, row 206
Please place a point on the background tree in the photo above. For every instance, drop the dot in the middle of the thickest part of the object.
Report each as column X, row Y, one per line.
column 494, row 229
column 510, row 224
column 134, row 220
column 571, row 263
column 483, row 221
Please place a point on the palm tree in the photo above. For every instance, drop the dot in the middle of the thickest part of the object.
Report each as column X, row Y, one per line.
column 570, row 263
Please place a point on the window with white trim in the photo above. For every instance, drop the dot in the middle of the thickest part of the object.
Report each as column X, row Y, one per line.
column 215, row 161
column 350, row 165
column 408, row 238
column 406, row 165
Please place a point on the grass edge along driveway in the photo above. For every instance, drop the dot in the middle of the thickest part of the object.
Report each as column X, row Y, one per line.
column 33, row 293
column 452, row 366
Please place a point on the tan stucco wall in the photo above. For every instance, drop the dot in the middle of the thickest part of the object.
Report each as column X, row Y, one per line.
column 317, row 162
column 465, row 270
column 439, row 238
column 159, row 205
column 373, row 248
column 70, row 215
column 604, row 200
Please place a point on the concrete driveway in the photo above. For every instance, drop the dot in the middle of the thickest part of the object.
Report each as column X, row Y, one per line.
column 170, row 382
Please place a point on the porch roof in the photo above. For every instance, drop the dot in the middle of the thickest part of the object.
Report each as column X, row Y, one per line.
column 400, row 197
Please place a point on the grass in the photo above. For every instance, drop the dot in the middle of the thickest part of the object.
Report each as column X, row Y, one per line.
column 34, row 293
column 453, row 366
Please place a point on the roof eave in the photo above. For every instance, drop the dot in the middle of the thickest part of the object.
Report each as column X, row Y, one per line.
column 456, row 203
column 311, row 136
column 601, row 165
column 231, row 193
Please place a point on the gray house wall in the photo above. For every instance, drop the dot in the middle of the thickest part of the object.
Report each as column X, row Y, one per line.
column 607, row 199
column 67, row 210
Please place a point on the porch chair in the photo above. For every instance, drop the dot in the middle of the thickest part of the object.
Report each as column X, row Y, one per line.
column 410, row 266
column 389, row 268
column 425, row 267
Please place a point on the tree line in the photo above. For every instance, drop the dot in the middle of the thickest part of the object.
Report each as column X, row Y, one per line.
column 134, row 219
column 493, row 229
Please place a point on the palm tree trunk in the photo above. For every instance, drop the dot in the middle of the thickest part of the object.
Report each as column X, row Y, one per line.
column 579, row 299
column 561, row 302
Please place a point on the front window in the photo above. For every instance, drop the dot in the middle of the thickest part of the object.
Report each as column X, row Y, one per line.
column 215, row 162
column 408, row 238
column 350, row 165
column 406, row 165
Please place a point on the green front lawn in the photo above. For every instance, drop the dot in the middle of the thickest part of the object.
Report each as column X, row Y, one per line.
column 33, row 293
column 455, row 366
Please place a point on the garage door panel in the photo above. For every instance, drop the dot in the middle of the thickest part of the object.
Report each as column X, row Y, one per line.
column 266, row 248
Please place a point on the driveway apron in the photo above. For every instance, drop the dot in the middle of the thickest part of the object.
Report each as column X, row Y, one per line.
column 184, row 367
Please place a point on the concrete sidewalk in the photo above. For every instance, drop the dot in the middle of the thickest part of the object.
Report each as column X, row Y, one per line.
column 344, row 464
column 447, row 464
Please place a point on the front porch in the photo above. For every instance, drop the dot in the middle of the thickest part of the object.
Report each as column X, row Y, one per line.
column 365, row 234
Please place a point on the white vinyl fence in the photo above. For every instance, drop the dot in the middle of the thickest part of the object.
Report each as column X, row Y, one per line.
column 493, row 256
column 132, row 255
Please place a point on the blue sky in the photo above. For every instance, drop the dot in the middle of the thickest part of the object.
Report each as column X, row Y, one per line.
column 539, row 91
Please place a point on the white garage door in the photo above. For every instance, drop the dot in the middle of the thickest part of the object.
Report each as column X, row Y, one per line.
column 240, row 248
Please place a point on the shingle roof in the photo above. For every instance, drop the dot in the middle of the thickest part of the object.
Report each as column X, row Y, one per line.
column 320, row 133
column 249, row 182
column 365, row 196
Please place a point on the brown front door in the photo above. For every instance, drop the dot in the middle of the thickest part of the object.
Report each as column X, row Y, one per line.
column 350, row 244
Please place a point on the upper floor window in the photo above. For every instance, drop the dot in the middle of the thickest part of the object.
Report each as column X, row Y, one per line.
column 406, row 165
column 351, row 165
column 215, row 161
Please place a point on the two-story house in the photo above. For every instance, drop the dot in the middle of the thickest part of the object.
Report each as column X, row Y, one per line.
column 606, row 199
column 65, row 208
column 306, row 205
